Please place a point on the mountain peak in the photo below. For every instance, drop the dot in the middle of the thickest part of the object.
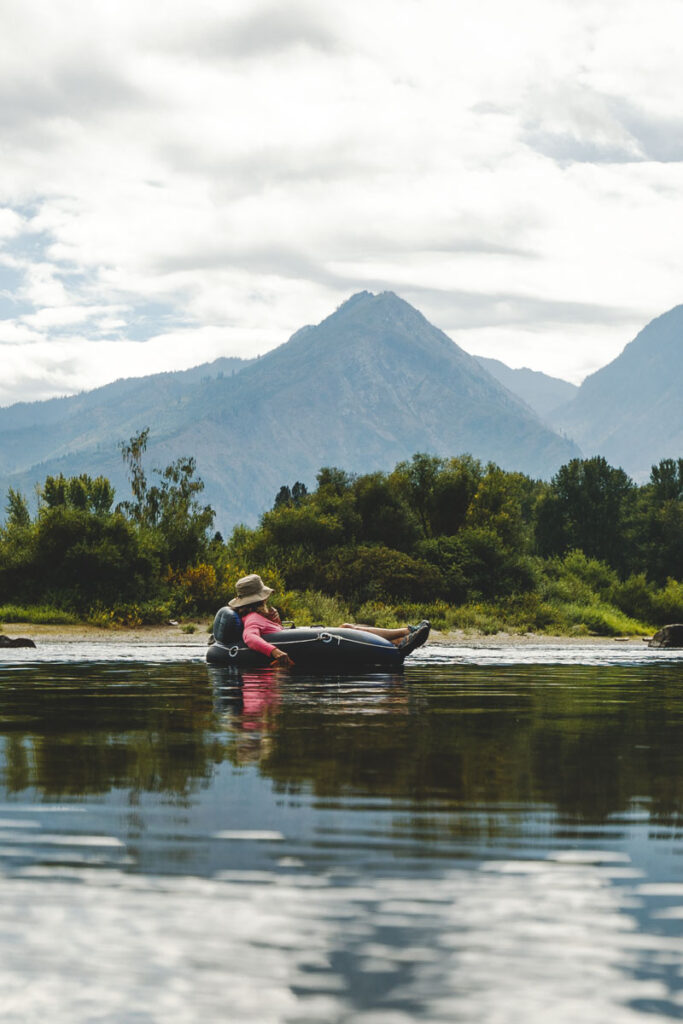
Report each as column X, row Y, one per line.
column 369, row 386
column 630, row 411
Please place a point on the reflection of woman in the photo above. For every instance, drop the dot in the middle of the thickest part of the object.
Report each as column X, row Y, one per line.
column 259, row 620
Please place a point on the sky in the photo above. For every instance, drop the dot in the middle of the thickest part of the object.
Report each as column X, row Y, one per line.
column 181, row 181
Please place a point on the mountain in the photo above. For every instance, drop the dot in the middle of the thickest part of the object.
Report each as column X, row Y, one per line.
column 540, row 391
column 369, row 386
column 631, row 411
column 31, row 432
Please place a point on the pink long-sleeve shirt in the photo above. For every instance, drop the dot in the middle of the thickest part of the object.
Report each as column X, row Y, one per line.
column 255, row 625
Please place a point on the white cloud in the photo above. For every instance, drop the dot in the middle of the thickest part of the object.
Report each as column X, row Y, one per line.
column 207, row 179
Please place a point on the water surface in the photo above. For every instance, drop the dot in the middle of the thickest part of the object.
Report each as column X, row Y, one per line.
column 492, row 836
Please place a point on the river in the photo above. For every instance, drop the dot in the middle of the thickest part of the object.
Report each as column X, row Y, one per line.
column 492, row 836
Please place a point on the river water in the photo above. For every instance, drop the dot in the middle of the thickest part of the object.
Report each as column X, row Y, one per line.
column 491, row 837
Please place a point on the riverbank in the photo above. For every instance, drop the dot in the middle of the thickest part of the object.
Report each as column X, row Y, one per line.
column 196, row 634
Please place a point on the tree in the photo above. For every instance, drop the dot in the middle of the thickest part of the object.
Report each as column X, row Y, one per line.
column 283, row 497
column 293, row 496
column 661, row 521
column 18, row 515
column 666, row 479
column 386, row 518
column 169, row 512
column 417, row 481
column 588, row 506
column 81, row 492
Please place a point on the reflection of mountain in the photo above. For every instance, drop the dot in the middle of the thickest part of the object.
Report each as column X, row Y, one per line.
column 371, row 385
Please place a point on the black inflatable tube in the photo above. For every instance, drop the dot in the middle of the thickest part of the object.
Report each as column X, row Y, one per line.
column 314, row 647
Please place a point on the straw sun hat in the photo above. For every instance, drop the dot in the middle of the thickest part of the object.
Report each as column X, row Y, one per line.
column 250, row 589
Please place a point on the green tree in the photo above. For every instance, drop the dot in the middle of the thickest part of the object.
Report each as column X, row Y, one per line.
column 666, row 479
column 176, row 525
column 417, row 481
column 385, row 517
column 77, row 492
column 660, row 522
column 588, row 506
column 18, row 515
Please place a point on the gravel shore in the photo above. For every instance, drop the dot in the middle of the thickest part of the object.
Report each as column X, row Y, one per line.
column 183, row 634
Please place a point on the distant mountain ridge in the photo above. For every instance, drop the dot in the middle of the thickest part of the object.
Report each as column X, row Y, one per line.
column 543, row 393
column 631, row 411
column 368, row 386
column 31, row 432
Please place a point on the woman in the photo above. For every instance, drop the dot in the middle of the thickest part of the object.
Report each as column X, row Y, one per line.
column 259, row 620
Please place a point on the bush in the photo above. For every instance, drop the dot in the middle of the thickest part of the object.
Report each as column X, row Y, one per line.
column 148, row 613
column 634, row 597
column 576, row 578
column 195, row 589
column 379, row 573
column 312, row 608
column 667, row 603
column 603, row 620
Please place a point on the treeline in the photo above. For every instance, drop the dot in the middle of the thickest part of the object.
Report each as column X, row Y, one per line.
column 465, row 543
column 458, row 532
column 82, row 553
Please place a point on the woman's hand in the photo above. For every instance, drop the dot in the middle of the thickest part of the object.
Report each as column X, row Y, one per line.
column 281, row 658
column 272, row 614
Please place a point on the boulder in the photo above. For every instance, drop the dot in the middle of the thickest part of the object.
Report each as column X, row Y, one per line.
column 668, row 636
column 17, row 641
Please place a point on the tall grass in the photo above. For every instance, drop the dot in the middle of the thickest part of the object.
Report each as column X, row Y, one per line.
column 563, row 610
column 43, row 615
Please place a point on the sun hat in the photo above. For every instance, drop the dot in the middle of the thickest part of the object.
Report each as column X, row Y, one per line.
column 250, row 589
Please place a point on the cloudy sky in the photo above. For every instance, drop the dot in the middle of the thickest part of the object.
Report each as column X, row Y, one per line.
column 180, row 181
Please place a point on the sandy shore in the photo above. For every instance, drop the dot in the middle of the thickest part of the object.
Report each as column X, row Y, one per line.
column 152, row 635
column 177, row 635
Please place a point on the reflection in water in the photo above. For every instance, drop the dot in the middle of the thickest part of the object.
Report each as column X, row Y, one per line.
column 476, row 843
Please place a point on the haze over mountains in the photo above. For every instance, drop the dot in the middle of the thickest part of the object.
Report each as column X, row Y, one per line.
column 369, row 386
column 544, row 394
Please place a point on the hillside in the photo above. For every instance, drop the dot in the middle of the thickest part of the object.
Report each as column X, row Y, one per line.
column 370, row 385
column 631, row 410
column 540, row 391
column 32, row 432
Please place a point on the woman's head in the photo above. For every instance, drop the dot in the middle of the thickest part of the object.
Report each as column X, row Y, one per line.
column 250, row 590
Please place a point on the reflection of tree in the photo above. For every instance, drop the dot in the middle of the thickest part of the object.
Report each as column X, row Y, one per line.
column 89, row 731
column 497, row 744
column 585, row 742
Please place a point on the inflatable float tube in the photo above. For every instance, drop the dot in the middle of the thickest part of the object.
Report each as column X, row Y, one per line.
column 308, row 647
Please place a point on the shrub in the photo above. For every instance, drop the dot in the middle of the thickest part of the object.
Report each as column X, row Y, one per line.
column 312, row 608
column 194, row 589
column 603, row 620
column 366, row 573
column 634, row 597
column 148, row 613
column 577, row 578
column 667, row 603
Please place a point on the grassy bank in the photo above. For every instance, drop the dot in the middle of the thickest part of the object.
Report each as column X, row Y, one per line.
column 525, row 614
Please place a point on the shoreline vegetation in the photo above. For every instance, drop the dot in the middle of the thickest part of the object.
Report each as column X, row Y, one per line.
column 477, row 550
column 153, row 636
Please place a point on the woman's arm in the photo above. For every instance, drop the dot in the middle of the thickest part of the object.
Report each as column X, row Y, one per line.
column 251, row 635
